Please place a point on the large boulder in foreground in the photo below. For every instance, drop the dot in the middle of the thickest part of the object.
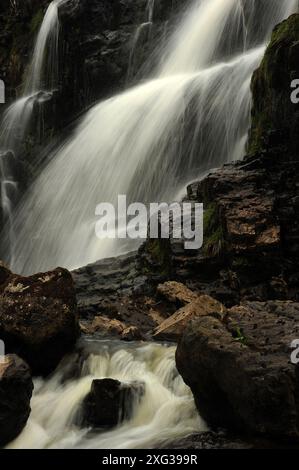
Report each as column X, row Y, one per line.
column 38, row 318
column 109, row 402
column 240, row 370
column 15, row 393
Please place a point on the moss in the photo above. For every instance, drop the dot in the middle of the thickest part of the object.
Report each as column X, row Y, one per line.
column 215, row 243
column 159, row 251
column 271, row 84
column 213, row 232
column 210, row 218
column 36, row 21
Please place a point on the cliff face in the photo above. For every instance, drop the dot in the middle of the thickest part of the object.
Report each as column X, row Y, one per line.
column 275, row 119
column 97, row 37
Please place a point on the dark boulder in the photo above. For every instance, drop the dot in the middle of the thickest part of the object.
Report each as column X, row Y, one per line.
column 15, row 393
column 109, row 402
column 38, row 318
column 240, row 371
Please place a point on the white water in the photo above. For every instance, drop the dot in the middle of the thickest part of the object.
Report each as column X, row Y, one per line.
column 42, row 76
column 44, row 66
column 150, row 140
column 165, row 412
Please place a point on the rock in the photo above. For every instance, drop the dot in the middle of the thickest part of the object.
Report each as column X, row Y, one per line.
column 132, row 333
column 107, row 327
column 173, row 327
column 38, row 318
column 109, row 402
column 5, row 274
column 239, row 368
column 176, row 292
column 104, row 326
column 275, row 119
column 15, row 393
column 115, row 289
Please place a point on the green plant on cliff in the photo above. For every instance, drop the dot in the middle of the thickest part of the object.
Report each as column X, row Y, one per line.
column 213, row 231
column 36, row 21
column 159, row 251
column 239, row 336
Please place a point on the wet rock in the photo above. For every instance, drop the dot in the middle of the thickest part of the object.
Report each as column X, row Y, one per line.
column 15, row 393
column 173, row 327
column 275, row 119
column 115, row 289
column 240, row 371
column 109, row 402
column 103, row 326
column 176, row 292
column 132, row 333
column 38, row 318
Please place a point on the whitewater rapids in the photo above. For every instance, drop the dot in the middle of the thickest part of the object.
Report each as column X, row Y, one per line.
column 165, row 413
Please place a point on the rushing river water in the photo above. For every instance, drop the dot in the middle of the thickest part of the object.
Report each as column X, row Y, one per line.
column 166, row 411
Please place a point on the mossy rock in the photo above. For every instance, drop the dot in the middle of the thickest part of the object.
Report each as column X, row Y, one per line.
column 271, row 88
column 214, row 241
column 159, row 257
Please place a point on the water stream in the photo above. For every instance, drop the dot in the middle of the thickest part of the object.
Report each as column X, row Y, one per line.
column 166, row 411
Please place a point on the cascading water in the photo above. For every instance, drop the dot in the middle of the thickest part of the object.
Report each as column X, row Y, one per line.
column 166, row 411
column 149, row 141
column 42, row 76
column 145, row 27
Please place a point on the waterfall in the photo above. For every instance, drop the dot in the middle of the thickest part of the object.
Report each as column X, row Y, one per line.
column 152, row 139
column 166, row 411
column 143, row 28
column 42, row 76
column 43, row 70
column 150, row 10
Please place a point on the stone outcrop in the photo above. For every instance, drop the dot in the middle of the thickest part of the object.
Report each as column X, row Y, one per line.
column 38, row 317
column 109, row 403
column 194, row 305
column 132, row 333
column 15, row 393
column 114, row 289
column 239, row 368
column 103, row 326
column 110, row 328
column 176, row 292
column 275, row 118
